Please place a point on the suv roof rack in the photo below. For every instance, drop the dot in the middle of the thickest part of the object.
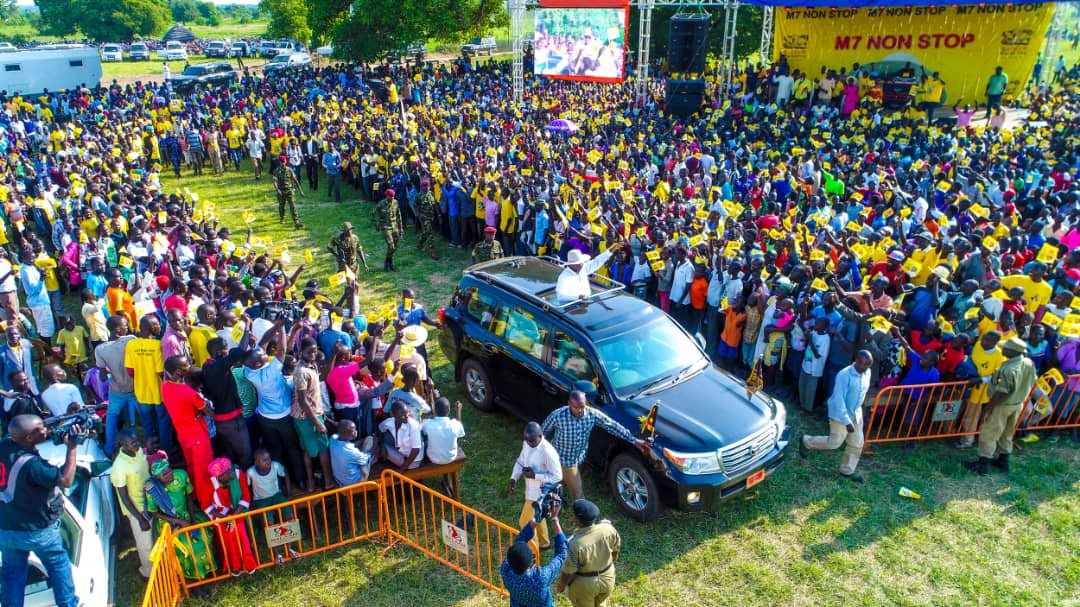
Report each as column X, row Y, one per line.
column 608, row 285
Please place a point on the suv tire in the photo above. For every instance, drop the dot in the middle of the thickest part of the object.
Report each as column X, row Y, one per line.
column 478, row 388
column 633, row 488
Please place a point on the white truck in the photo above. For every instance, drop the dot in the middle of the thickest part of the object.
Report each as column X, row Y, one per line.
column 52, row 67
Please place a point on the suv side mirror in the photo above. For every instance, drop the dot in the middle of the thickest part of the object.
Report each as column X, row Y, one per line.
column 99, row 468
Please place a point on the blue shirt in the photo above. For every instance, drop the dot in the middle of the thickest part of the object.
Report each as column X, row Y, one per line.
column 328, row 338
column 570, row 435
column 845, row 404
column 332, row 163
column 275, row 395
column 533, row 588
column 347, row 462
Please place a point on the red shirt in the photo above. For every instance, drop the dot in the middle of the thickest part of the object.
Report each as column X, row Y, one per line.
column 950, row 360
column 183, row 404
column 922, row 347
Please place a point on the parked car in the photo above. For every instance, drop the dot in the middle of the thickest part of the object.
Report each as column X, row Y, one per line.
column 217, row 48
column 174, row 51
column 112, row 52
column 7, row 47
column 240, row 49
column 285, row 62
column 273, row 48
column 325, row 51
column 479, row 46
column 511, row 344
column 139, row 52
column 86, row 525
column 218, row 73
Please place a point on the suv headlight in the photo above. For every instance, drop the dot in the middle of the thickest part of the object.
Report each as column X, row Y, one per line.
column 694, row 463
column 780, row 418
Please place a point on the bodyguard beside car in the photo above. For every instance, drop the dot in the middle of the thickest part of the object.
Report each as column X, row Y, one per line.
column 30, row 509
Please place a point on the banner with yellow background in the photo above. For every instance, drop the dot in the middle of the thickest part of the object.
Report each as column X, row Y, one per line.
column 964, row 43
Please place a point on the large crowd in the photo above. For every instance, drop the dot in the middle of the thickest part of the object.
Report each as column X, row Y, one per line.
column 791, row 230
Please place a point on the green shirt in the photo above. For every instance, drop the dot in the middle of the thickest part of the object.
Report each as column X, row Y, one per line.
column 997, row 83
column 1014, row 378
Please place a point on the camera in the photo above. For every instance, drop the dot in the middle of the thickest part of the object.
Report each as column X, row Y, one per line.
column 288, row 310
column 58, row 428
column 550, row 494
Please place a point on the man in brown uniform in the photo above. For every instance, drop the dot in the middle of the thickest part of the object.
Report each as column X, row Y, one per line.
column 588, row 575
column 1010, row 387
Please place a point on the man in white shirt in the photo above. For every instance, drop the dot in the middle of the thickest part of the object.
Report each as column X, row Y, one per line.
column 845, row 416
column 442, row 432
column 680, row 287
column 539, row 464
column 402, row 445
column 58, row 396
column 574, row 281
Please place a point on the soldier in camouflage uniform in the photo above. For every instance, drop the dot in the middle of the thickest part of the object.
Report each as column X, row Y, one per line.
column 286, row 184
column 427, row 211
column 488, row 248
column 345, row 247
column 388, row 221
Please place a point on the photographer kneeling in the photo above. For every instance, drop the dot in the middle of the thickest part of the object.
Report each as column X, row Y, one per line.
column 30, row 507
column 528, row 584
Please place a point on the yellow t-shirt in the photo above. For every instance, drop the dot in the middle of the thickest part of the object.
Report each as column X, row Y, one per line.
column 197, row 340
column 74, row 342
column 47, row 265
column 143, row 356
column 985, row 363
column 233, row 136
column 130, row 474
column 1036, row 293
column 95, row 321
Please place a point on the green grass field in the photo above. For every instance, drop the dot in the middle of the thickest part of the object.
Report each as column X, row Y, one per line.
column 805, row 537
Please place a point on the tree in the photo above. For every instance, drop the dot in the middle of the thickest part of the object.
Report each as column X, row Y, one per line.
column 289, row 19
column 185, row 11
column 112, row 21
column 58, row 17
column 8, row 9
column 364, row 29
column 747, row 31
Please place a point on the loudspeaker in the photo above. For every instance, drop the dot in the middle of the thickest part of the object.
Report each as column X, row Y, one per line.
column 684, row 97
column 688, row 42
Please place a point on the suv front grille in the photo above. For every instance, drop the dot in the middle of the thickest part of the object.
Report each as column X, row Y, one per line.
column 743, row 454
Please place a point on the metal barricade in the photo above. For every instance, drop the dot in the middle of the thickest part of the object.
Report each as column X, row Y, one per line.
column 466, row 540
column 924, row 411
column 165, row 587
column 1058, row 411
column 277, row 534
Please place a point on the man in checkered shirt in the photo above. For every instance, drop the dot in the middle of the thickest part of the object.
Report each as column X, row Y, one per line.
column 568, row 428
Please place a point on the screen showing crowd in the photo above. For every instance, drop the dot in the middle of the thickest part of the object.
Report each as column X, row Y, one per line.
column 581, row 43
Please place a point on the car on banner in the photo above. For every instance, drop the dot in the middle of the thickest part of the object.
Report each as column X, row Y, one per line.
column 513, row 346
column 900, row 75
column 86, row 526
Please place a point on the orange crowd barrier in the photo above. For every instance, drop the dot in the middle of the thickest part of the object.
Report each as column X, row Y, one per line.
column 466, row 540
column 923, row 411
column 165, row 588
column 1057, row 408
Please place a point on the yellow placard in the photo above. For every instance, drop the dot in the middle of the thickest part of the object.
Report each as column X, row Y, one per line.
column 652, row 255
column 990, row 243
column 817, row 255
column 819, row 285
column 1047, row 254
column 1051, row 320
column 696, row 240
column 309, row 255
column 912, row 267
column 336, row 280
column 978, row 210
column 657, row 265
column 852, row 226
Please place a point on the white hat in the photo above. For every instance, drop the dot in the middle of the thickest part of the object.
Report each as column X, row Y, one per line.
column 414, row 335
column 575, row 256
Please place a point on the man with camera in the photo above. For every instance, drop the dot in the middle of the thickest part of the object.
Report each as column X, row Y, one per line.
column 30, row 508
column 588, row 575
column 539, row 464
column 529, row 585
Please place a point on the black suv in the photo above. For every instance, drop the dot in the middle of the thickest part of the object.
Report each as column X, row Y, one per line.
column 217, row 73
column 511, row 343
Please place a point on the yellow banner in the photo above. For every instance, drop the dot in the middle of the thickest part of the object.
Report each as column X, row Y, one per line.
column 964, row 43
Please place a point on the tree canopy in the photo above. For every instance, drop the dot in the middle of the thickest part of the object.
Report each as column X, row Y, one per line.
column 111, row 21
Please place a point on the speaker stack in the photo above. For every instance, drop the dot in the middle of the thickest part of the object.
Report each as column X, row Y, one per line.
column 688, row 42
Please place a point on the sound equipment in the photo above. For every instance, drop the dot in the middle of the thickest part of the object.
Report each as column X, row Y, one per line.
column 688, row 42
column 684, row 97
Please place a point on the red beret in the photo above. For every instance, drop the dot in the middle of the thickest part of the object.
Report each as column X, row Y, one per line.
column 489, row 230
column 390, row 193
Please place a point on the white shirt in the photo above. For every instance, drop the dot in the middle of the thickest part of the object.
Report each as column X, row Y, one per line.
column 573, row 285
column 680, row 285
column 815, row 365
column 544, row 461
column 442, row 438
column 263, row 487
column 406, row 438
column 57, row 397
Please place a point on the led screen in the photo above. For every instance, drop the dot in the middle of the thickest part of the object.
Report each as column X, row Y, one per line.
column 581, row 43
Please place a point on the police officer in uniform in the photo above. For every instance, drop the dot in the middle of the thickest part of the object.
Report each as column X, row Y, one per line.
column 588, row 575
column 1010, row 386
column 388, row 221
column 427, row 211
column 488, row 248
column 30, row 508
column 286, row 184
column 345, row 247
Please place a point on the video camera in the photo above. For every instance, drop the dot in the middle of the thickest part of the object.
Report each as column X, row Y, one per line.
column 58, row 428
column 550, row 494
column 289, row 310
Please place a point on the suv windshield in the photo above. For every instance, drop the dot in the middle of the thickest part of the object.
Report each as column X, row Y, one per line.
column 651, row 354
column 194, row 70
column 280, row 59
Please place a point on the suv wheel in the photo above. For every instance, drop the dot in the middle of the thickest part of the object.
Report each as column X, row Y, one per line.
column 633, row 487
column 478, row 388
